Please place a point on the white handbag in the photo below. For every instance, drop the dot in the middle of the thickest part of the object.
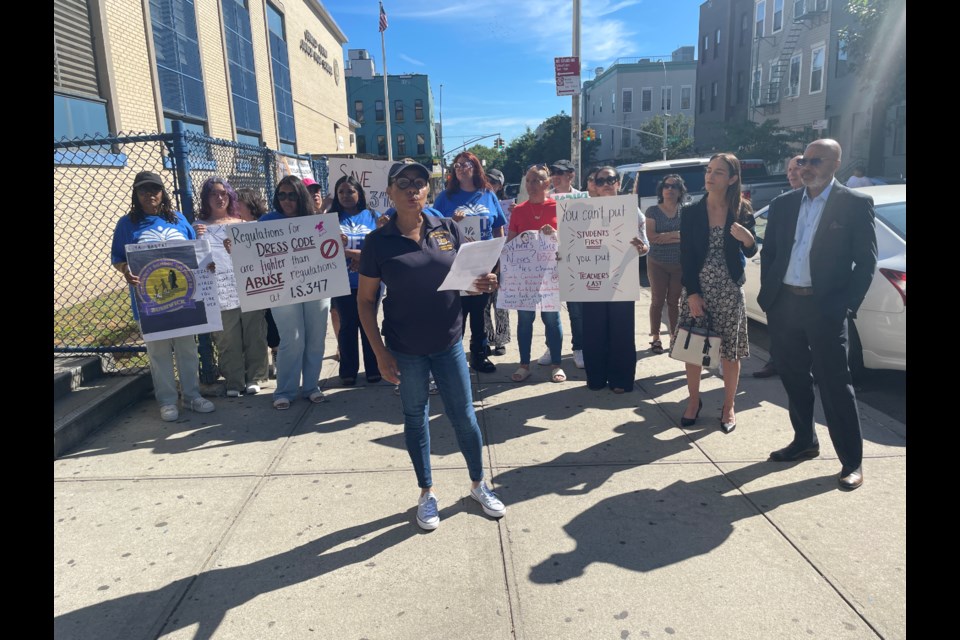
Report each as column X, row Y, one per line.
column 697, row 345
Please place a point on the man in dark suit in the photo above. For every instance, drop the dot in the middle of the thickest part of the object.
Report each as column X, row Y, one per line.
column 818, row 259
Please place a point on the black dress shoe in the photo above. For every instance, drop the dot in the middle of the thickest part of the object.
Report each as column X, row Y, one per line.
column 480, row 362
column 769, row 370
column 852, row 480
column 499, row 351
column 689, row 422
column 792, row 452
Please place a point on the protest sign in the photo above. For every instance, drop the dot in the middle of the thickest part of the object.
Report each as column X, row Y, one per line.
column 283, row 262
column 226, row 283
column 176, row 295
column 371, row 174
column 598, row 263
column 529, row 278
column 470, row 228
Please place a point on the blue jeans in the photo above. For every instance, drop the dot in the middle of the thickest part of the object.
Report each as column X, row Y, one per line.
column 453, row 379
column 303, row 331
column 554, row 331
column 575, row 311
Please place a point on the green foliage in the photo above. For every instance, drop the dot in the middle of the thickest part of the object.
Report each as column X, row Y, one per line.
column 648, row 148
column 767, row 141
column 516, row 155
column 877, row 45
column 491, row 158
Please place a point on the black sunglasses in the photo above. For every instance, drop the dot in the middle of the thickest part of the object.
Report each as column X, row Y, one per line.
column 602, row 182
column 287, row 195
column 538, row 166
column 406, row 183
column 813, row 162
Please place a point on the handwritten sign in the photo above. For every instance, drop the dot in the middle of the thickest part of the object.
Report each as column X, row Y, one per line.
column 598, row 263
column 469, row 228
column 529, row 278
column 177, row 295
column 226, row 283
column 505, row 205
column 371, row 174
column 283, row 262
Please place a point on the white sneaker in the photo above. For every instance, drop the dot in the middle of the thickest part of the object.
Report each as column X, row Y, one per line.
column 253, row 389
column 578, row 358
column 491, row 504
column 202, row 405
column 233, row 393
column 169, row 413
column 428, row 516
column 545, row 359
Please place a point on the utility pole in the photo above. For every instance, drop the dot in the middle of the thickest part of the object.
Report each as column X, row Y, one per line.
column 575, row 99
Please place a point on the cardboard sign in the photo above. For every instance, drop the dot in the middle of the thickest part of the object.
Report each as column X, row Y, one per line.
column 283, row 262
column 469, row 228
column 598, row 263
column 371, row 174
column 226, row 282
column 177, row 294
column 529, row 279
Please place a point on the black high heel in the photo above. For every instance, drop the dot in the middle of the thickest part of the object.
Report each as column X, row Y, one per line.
column 727, row 427
column 689, row 422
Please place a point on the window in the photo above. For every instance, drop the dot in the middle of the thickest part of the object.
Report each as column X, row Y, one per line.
column 646, row 99
column 613, row 102
column 741, row 87
column 799, row 8
column 714, row 92
column 401, row 144
column 777, row 15
column 378, row 110
column 744, row 29
column 758, row 18
column 398, row 110
column 75, row 71
column 793, row 79
column 381, row 145
column 704, row 48
column 900, row 132
column 816, row 69
column 703, row 98
column 244, row 138
column 282, row 90
column 358, row 111
column 685, row 96
column 716, row 43
column 174, row 25
column 755, row 85
column 625, row 136
column 243, row 75
column 286, row 147
column 626, row 102
column 773, row 86
column 421, row 144
column 840, row 68
column 601, row 104
column 361, row 144
column 666, row 98
column 418, row 109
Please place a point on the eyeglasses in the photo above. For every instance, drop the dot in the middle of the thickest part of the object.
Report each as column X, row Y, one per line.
column 287, row 195
column 813, row 162
column 671, row 185
column 602, row 182
column 406, row 183
column 463, row 166
column 219, row 194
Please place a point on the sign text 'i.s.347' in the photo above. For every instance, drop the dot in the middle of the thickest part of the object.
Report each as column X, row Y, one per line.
column 283, row 262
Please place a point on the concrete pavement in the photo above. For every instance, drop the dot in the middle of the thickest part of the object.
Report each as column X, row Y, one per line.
column 254, row 523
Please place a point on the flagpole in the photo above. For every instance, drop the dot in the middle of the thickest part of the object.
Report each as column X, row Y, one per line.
column 386, row 93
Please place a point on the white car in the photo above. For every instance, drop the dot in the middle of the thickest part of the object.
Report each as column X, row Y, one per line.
column 878, row 336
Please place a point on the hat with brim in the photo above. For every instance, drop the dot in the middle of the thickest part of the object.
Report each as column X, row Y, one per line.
column 311, row 184
column 147, row 177
column 399, row 167
column 497, row 175
column 562, row 165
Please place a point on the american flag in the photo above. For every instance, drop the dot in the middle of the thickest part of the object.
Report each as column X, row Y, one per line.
column 383, row 18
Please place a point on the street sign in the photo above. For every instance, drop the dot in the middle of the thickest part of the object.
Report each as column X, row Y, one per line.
column 568, row 75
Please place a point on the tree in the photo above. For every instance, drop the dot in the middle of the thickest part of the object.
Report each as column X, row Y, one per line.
column 767, row 141
column 489, row 157
column 516, row 156
column 649, row 145
column 876, row 45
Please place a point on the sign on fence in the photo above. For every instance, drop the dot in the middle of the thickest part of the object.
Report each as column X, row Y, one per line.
column 283, row 262
column 529, row 279
column 371, row 174
column 598, row 262
column 177, row 294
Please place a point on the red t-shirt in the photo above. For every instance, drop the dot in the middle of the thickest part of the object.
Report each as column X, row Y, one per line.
column 531, row 217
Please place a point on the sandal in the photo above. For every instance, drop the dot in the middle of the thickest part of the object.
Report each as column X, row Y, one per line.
column 656, row 347
column 557, row 375
column 317, row 397
column 521, row 374
column 281, row 404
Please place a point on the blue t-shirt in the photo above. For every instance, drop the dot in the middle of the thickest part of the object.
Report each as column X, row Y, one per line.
column 474, row 203
column 150, row 229
column 427, row 211
column 272, row 215
column 356, row 227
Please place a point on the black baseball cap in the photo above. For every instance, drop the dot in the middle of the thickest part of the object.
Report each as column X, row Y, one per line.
column 400, row 166
column 147, row 177
column 496, row 174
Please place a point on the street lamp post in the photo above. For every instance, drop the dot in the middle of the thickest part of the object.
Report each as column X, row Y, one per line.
column 665, row 114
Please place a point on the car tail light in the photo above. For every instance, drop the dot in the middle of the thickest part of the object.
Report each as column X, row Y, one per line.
column 899, row 281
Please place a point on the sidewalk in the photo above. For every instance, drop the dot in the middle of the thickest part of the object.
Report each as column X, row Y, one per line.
column 254, row 523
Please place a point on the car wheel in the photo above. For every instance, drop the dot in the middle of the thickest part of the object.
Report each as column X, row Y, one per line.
column 855, row 354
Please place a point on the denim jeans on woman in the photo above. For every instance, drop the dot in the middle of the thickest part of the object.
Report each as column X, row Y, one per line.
column 303, row 331
column 450, row 372
column 552, row 327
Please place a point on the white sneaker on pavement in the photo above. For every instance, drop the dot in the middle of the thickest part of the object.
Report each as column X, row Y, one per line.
column 169, row 413
column 491, row 504
column 253, row 389
column 233, row 393
column 578, row 358
column 202, row 405
column 428, row 516
column 545, row 359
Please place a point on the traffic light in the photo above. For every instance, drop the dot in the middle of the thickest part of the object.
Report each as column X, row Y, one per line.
column 589, row 134
column 498, row 144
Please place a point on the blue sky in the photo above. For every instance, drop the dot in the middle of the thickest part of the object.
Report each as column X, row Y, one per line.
column 495, row 57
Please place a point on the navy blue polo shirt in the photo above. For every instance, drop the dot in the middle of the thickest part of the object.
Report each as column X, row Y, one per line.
column 417, row 319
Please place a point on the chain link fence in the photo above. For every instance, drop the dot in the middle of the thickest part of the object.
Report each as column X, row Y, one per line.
column 93, row 180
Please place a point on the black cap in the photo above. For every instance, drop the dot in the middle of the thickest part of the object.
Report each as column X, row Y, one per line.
column 400, row 166
column 147, row 177
column 562, row 165
column 496, row 174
